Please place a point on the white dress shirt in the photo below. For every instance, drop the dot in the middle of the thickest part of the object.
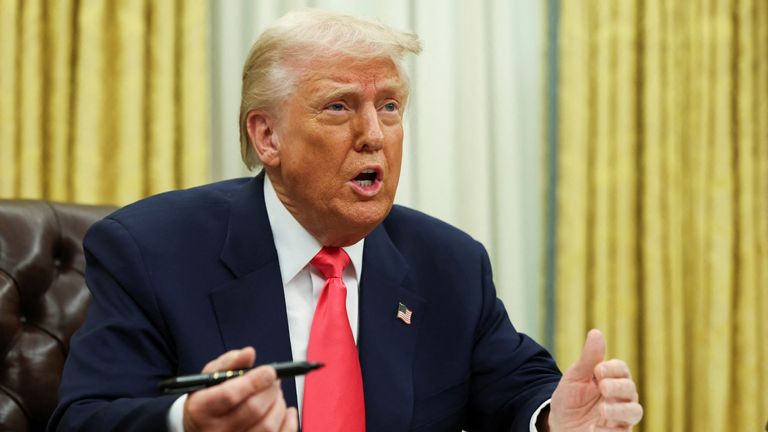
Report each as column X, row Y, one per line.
column 302, row 284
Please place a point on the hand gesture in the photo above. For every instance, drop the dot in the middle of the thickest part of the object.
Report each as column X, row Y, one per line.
column 252, row 402
column 595, row 395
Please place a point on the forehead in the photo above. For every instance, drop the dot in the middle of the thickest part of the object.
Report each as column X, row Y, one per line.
column 318, row 76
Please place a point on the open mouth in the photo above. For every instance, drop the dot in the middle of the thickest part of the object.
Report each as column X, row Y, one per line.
column 368, row 182
column 366, row 178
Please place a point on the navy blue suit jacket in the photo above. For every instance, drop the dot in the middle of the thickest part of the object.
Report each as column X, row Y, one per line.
column 179, row 278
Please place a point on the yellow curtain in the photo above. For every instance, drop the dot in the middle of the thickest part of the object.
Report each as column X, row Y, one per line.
column 102, row 101
column 662, row 202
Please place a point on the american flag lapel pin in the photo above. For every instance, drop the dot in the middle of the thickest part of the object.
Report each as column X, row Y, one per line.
column 404, row 314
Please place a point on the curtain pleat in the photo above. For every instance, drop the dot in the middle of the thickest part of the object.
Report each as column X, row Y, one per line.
column 573, row 138
column 672, row 195
column 60, row 37
column 9, row 113
column 193, row 98
column 104, row 102
column 650, row 228
column 92, row 109
column 30, row 101
column 746, row 310
column 663, row 201
column 625, row 213
column 161, row 139
column 761, row 184
column 128, row 37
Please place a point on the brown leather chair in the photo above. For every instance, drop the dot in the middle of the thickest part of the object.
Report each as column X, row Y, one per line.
column 43, row 299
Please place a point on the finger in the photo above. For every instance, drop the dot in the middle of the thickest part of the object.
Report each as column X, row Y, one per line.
column 290, row 421
column 622, row 413
column 591, row 355
column 273, row 419
column 618, row 389
column 222, row 398
column 254, row 409
column 234, row 359
column 612, row 429
column 612, row 369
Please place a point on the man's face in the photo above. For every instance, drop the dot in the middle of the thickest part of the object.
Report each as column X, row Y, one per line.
column 339, row 141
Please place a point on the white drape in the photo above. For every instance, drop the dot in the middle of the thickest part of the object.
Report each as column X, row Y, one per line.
column 474, row 127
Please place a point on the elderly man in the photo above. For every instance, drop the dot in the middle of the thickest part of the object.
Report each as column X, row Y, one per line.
column 310, row 259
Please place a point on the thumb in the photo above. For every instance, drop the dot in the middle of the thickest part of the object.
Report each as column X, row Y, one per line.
column 591, row 355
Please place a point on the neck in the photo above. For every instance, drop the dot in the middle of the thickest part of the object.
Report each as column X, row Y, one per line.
column 326, row 230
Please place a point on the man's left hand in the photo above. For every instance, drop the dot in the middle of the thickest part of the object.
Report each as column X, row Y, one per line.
column 595, row 395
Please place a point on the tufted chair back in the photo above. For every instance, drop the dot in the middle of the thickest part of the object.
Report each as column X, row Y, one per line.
column 43, row 299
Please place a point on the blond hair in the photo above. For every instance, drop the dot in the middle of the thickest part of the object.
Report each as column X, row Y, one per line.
column 306, row 34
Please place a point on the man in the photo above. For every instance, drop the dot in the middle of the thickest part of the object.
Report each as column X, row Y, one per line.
column 310, row 259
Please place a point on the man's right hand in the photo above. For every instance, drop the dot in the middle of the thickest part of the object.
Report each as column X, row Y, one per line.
column 252, row 402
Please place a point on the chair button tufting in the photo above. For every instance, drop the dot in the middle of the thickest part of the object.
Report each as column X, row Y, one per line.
column 40, row 306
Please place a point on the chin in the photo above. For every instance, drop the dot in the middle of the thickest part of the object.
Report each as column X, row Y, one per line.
column 366, row 218
column 366, row 222
column 350, row 231
column 374, row 212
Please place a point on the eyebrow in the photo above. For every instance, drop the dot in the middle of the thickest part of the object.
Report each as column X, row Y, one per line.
column 385, row 86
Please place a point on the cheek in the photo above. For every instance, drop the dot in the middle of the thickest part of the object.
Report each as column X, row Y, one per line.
column 329, row 147
column 315, row 156
column 394, row 150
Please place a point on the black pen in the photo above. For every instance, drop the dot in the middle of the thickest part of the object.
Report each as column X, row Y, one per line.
column 190, row 383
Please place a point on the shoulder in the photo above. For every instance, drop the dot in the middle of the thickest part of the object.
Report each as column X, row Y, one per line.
column 177, row 213
column 193, row 198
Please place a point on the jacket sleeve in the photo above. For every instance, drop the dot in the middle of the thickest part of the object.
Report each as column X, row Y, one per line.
column 512, row 375
column 122, row 350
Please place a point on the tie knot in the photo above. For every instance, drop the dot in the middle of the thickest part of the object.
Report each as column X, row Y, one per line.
column 331, row 262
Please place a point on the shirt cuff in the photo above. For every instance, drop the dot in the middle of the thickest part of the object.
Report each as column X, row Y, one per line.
column 175, row 417
column 535, row 416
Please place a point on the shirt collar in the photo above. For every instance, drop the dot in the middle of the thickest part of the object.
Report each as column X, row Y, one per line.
column 295, row 245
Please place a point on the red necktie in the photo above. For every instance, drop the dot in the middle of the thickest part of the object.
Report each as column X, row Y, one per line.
column 333, row 395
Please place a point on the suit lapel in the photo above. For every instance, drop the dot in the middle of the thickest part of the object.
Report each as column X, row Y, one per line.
column 250, row 309
column 386, row 345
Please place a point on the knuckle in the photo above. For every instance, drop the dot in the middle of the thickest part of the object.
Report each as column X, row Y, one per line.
column 275, row 421
column 640, row 411
column 230, row 398
column 262, row 377
column 258, row 407
column 605, row 387
column 632, row 390
column 272, row 425
column 210, row 366
column 603, row 409
column 609, row 411
column 631, row 385
column 193, row 407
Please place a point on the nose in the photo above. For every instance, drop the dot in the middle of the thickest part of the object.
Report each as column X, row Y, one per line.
column 370, row 134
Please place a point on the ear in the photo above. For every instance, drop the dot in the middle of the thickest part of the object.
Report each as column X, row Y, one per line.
column 261, row 130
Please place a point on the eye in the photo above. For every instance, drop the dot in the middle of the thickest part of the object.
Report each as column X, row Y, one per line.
column 336, row 106
column 390, row 107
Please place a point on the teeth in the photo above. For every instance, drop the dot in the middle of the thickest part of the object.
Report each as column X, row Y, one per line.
column 364, row 183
